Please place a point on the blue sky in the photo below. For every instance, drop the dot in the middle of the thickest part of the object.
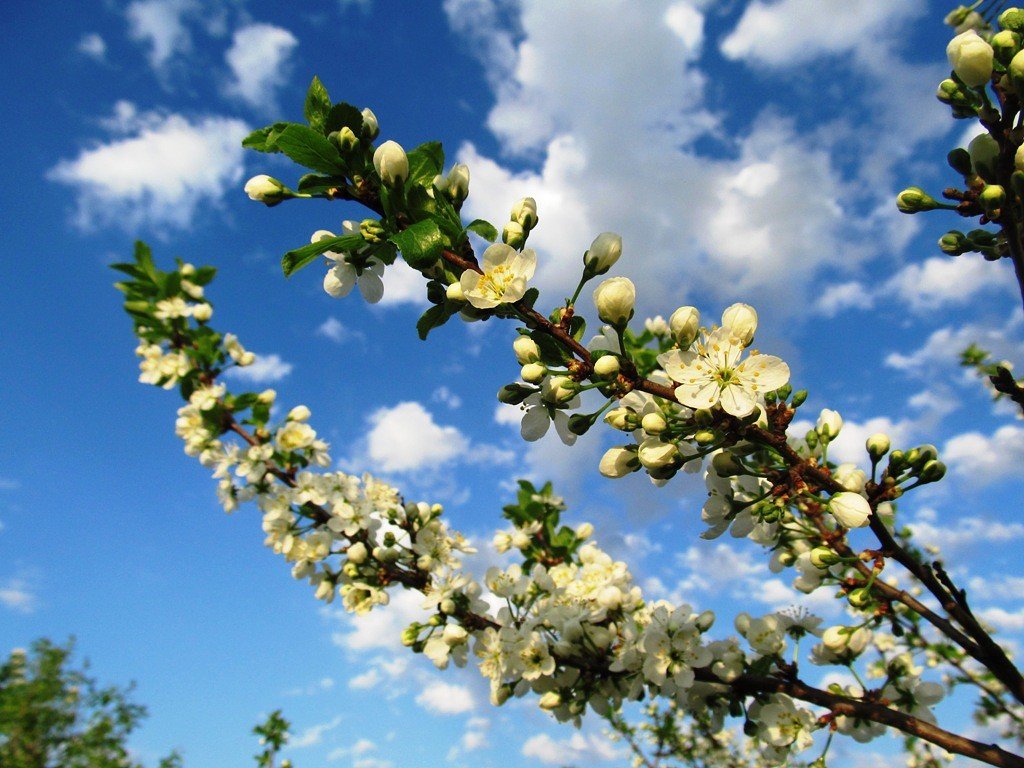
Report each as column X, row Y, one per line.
column 744, row 152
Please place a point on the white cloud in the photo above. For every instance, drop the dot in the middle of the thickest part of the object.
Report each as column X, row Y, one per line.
column 160, row 24
column 986, row 458
column 258, row 59
column 160, row 175
column 406, row 438
column 17, row 595
column 942, row 280
column 93, row 46
column 1000, row 618
column 267, row 369
column 365, row 680
column 444, row 395
column 577, row 748
column 382, row 627
column 338, row 332
column 321, row 685
column 943, row 347
column 446, row 699
column 996, row 588
column 793, row 32
column 849, row 295
column 357, row 750
column 964, row 532
column 403, row 285
column 314, row 734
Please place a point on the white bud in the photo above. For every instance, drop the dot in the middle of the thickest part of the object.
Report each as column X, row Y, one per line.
column 607, row 366
column 533, row 373
column 741, row 320
column 618, row 462
column 604, row 252
column 850, row 509
column 202, row 312
column 458, row 182
column 584, row 531
column 454, row 292
column 654, row 454
column 514, row 234
column 357, row 553
column 684, row 324
column 550, row 700
column 654, row 423
column 453, row 634
column 299, row 413
column 371, row 128
column 829, row 424
column 878, row 445
column 846, row 640
column 656, row 326
column 524, row 213
column 614, row 299
column 526, row 350
column 560, row 389
column 391, row 162
column 621, row 418
column 971, row 58
column 267, row 396
column 610, row 597
column 264, row 188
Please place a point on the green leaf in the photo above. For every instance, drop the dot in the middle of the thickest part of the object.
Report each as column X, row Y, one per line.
column 315, row 182
column 447, row 217
column 434, row 317
column 342, row 115
column 425, row 162
column 265, row 139
column 420, row 244
column 295, row 260
column 310, row 148
column 144, row 258
column 318, row 104
column 485, row 229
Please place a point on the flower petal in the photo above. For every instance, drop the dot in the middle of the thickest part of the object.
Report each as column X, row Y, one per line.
column 339, row 280
column 535, row 423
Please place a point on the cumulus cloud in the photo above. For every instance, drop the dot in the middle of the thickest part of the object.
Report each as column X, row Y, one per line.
column 157, row 176
column 577, row 748
column 406, row 438
column 93, row 46
column 941, row 281
column 986, row 458
column 793, row 32
column 267, row 369
column 964, row 532
column 941, row 350
column 258, row 59
column 314, row 734
column 338, row 332
column 16, row 594
column 446, row 699
column 160, row 25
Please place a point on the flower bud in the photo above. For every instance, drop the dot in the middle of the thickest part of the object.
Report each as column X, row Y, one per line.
column 705, row 620
column 607, row 366
column 526, row 350
column 860, row 597
column 684, row 324
column 654, row 454
column 267, row 396
column 584, row 531
column 654, row 423
column 372, row 231
column 726, row 465
column 619, row 462
column 357, row 553
column 954, row 243
column 550, row 700
column 614, row 299
column 299, row 413
column 1012, row 19
column 514, row 235
column 704, row 437
column 915, row 200
column 829, row 424
column 458, row 182
column 345, row 140
column 202, row 312
column 264, row 189
column 846, row 641
column 741, row 320
column 971, row 58
column 410, row 634
column 560, row 389
column 932, row 471
column 656, row 326
column 453, row 634
column 952, row 93
column 622, row 419
column 533, row 373
column 959, row 160
column 604, row 252
column 823, row 557
column 992, row 198
column 877, row 445
column 391, row 163
column 984, row 151
column 851, row 510
column 524, row 213
column 454, row 292
column 1005, row 45
column 371, row 129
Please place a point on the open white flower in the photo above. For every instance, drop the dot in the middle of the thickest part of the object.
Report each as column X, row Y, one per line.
column 342, row 277
column 713, row 374
column 505, row 273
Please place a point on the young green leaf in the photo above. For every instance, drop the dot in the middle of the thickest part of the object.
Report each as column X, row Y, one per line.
column 318, row 104
column 425, row 162
column 435, row 316
column 343, row 115
column 265, row 139
column 296, row 259
column 310, row 148
column 420, row 244
column 485, row 229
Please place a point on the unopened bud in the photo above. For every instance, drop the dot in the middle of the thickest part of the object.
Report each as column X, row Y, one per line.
column 915, row 200
column 458, row 182
column 607, row 366
column 984, row 151
column 524, row 213
column 391, row 163
column 823, row 557
column 372, row 231
column 622, row 419
column 265, row 189
column 654, row 423
column 741, row 320
column 370, row 127
column 971, row 58
column 877, row 445
column 932, row 472
column 604, row 252
column 533, row 373
column 953, row 242
column 454, row 292
column 514, row 235
column 614, row 299
column 1005, row 45
column 684, row 324
column 619, row 462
